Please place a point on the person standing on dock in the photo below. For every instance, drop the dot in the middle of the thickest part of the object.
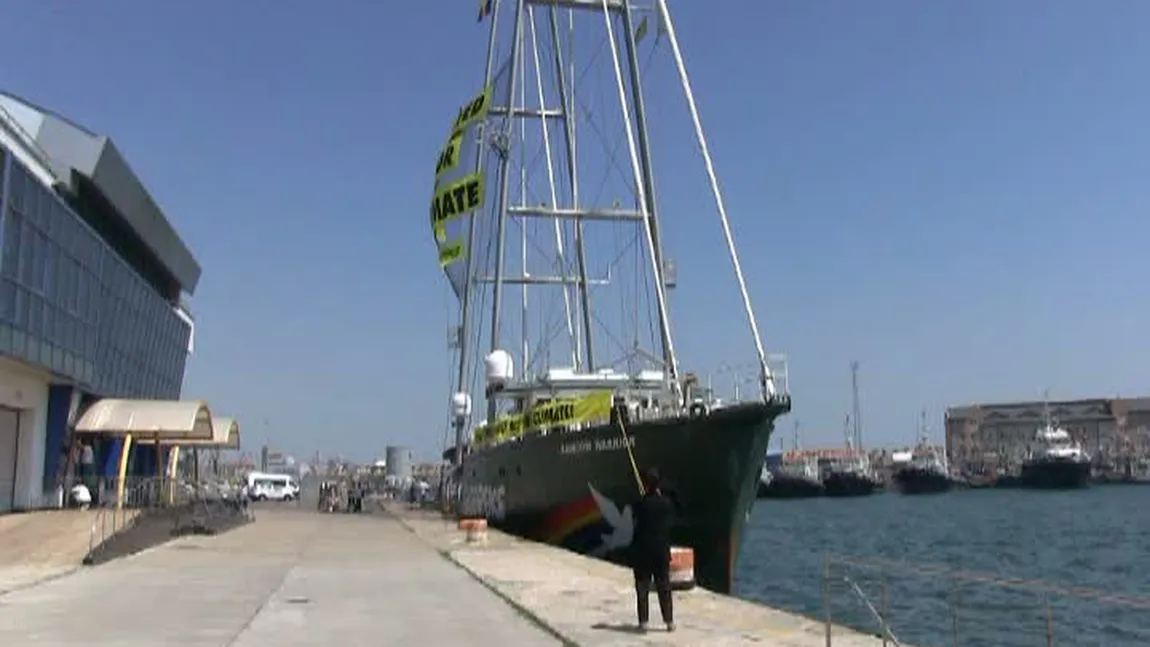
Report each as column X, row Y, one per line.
column 651, row 550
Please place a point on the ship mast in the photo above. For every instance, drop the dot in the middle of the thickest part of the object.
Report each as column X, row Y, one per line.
column 464, row 330
column 856, row 416
column 510, row 91
column 629, row 93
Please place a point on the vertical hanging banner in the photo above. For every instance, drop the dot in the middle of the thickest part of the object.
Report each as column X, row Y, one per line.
column 459, row 188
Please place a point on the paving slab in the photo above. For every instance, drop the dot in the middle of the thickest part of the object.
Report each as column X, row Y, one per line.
column 293, row 577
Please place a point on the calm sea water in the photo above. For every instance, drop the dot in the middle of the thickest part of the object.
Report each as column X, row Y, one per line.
column 1097, row 538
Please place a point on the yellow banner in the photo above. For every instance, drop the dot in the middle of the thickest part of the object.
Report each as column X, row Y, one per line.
column 473, row 110
column 553, row 413
column 457, row 198
column 458, row 192
column 450, row 252
column 449, row 156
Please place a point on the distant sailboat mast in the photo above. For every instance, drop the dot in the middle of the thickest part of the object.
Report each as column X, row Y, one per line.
column 856, row 415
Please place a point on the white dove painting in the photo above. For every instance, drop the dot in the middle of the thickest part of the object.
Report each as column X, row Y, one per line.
column 621, row 522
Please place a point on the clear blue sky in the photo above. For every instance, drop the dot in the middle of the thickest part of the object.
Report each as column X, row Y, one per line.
column 952, row 193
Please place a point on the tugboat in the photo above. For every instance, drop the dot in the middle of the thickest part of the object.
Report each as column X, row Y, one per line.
column 795, row 475
column 849, row 475
column 925, row 470
column 1059, row 462
column 790, row 475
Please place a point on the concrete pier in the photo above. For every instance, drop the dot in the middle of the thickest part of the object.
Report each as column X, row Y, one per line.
column 591, row 602
column 292, row 578
column 297, row 577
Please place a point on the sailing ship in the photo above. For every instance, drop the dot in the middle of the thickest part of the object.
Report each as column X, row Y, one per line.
column 556, row 451
column 925, row 470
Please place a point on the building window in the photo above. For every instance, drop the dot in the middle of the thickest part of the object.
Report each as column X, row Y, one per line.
column 10, row 258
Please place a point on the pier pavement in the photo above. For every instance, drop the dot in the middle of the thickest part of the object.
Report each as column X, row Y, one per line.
column 297, row 577
column 591, row 602
column 294, row 577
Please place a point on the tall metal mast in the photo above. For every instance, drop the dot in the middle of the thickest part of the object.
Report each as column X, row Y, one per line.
column 642, row 184
column 648, row 183
column 567, row 99
column 469, row 279
column 856, row 416
column 640, row 158
column 504, row 179
column 617, row 15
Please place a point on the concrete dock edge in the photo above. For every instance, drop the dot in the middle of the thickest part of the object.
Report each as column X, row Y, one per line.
column 535, row 618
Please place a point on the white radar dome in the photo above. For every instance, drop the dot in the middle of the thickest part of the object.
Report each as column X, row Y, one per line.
column 461, row 405
column 500, row 369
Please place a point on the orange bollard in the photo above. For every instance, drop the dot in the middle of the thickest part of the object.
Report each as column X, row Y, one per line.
column 476, row 529
column 682, row 568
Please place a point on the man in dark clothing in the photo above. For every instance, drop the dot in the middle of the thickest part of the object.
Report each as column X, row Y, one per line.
column 651, row 549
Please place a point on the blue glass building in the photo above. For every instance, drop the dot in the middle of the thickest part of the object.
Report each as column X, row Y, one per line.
column 93, row 281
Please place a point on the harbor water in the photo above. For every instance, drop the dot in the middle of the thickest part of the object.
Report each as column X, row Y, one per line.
column 972, row 568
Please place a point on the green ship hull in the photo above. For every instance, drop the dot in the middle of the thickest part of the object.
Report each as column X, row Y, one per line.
column 576, row 489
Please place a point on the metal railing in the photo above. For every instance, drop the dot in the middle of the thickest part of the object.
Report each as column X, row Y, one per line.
column 112, row 517
column 906, row 603
column 194, row 505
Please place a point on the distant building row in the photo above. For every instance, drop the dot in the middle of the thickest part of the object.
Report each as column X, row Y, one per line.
column 990, row 435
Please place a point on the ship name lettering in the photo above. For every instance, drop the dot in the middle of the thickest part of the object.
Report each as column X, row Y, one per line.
column 598, row 445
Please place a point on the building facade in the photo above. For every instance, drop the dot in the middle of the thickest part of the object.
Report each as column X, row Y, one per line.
column 991, row 436
column 92, row 281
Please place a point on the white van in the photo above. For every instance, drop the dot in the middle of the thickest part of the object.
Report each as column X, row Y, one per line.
column 272, row 487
